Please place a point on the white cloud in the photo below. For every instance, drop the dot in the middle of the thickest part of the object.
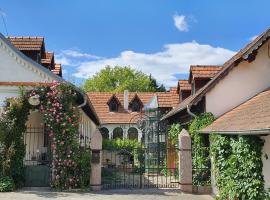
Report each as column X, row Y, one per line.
column 180, row 23
column 253, row 37
column 173, row 59
column 71, row 57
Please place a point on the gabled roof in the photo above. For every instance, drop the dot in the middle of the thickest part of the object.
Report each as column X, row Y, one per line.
column 247, row 53
column 248, row 118
column 184, row 85
column 88, row 108
column 203, row 71
column 113, row 97
column 27, row 43
column 135, row 97
column 57, row 69
column 48, row 58
column 173, row 90
column 100, row 99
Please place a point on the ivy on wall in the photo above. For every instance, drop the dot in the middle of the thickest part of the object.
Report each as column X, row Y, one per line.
column 173, row 133
column 201, row 164
column 238, row 166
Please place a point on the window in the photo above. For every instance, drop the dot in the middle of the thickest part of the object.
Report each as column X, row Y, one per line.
column 132, row 133
column 118, row 133
column 136, row 106
column 104, row 132
column 113, row 105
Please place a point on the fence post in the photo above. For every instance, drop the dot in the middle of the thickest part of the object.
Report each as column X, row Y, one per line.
column 185, row 161
column 96, row 147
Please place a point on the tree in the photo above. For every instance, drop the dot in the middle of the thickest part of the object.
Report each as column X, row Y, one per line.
column 118, row 79
column 154, row 84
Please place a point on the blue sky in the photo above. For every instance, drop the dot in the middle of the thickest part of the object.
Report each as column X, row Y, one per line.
column 162, row 37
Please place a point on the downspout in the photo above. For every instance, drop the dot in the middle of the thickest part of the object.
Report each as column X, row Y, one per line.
column 190, row 113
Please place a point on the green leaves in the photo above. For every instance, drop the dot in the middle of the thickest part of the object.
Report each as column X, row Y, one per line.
column 6, row 184
column 119, row 144
column 238, row 166
column 200, row 149
column 118, row 79
column 173, row 133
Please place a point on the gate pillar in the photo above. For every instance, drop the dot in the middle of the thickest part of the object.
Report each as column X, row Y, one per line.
column 185, row 161
column 96, row 147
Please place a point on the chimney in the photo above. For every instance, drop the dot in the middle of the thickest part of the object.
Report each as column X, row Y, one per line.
column 126, row 100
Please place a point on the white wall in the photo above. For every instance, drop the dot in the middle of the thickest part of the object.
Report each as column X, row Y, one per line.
column 87, row 129
column 266, row 162
column 242, row 83
column 13, row 68
column 125, row 128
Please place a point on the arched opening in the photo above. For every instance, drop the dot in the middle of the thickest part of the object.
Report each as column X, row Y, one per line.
column 118, row 133
column 104, row 132
column 132, row 133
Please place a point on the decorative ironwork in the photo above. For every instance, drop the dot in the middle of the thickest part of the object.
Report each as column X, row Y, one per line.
column 153, row 165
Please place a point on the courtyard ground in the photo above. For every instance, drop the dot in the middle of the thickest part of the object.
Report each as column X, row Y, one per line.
column 152, row 194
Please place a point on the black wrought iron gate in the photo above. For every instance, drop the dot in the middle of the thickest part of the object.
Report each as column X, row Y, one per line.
column 140, row 168
column 37, row 157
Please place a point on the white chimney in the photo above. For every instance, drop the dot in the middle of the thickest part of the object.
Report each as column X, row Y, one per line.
column 126, row 100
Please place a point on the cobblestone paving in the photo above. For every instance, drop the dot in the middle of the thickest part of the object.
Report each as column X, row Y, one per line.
column 153, row 194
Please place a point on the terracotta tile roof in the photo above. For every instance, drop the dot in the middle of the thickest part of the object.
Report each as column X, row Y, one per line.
column 173, row 90
column 27, row 43
column 203, row 71
column 244, row 54
column 184, row 85
column 47, row 59
column 100, row 99
column 254, row 114
column 57, row 69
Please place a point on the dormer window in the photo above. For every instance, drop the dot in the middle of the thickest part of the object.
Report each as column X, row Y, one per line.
column 136, row 104
column 113, row 104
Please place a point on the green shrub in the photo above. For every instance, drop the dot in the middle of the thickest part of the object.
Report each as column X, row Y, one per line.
column 6, row 184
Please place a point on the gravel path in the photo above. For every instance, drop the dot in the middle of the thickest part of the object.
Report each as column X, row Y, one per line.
column 152, row 194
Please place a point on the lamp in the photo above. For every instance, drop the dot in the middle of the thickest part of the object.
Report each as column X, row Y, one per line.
column 34, row 100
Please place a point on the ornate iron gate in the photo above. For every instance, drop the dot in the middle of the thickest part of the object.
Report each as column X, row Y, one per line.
column 153, row 165
column 140, row 168
column 37, row 157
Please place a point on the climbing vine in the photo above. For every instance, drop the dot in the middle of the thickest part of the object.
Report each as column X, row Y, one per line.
column 200, row 149
column 173, row 133
column 61, row 116
column 12, row 149
column 238, row 166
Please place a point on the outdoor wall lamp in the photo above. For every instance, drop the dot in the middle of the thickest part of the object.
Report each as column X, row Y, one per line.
column 34, row 100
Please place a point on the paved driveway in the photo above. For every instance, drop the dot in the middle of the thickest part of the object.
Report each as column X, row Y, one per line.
column 154, row 194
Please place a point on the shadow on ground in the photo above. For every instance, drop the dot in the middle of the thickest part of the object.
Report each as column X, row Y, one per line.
column 48, row 193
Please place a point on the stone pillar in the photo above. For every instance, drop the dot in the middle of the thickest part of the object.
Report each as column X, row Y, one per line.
column 185, row 161
column 96, row 147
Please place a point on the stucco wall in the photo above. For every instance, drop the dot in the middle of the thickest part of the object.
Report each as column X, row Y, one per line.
column 242, row 83
column 86, row 128
column 13, row 68
column 125, row 128
column 266, row 161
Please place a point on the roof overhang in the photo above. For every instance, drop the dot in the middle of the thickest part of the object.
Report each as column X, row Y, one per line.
column 242, row 55
column 265, row 131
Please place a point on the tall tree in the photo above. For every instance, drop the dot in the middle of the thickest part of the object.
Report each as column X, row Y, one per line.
column 118, row 79
column 154, row 84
